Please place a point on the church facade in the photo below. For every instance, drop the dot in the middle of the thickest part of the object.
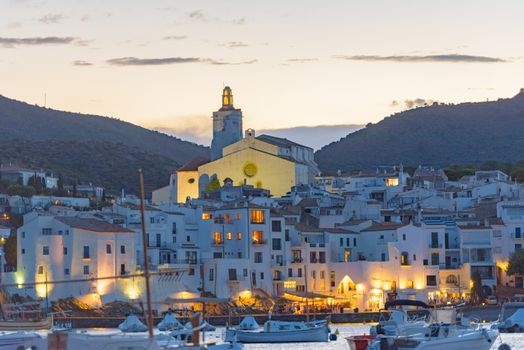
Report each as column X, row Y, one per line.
column 263, row 161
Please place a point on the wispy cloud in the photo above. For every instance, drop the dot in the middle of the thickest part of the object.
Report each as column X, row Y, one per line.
column 175, row 37
column 82, row 63
column 199, row 15
column 51, row 18
column 234, row 44
column 134, row 61
column 48, row 40
column 451, row 58
column 302, row 60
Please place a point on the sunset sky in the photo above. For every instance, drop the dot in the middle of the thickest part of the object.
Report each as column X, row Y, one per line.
column 290, row 63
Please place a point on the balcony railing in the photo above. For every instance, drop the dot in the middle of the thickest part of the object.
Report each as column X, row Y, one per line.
column 259, row 241
column 296, row 260
column 435, row 246
column 519, row 236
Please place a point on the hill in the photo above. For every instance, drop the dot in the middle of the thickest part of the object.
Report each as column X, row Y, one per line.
column 439, row 135
column 102, row 150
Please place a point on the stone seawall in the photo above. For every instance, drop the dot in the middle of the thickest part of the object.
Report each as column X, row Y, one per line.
column 485, row 313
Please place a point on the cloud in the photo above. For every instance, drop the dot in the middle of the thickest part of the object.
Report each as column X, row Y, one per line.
column 239, row 21
column 82, row 63
column 451, row 58
column 134, row 61
column 51, row 18
column 13, row 25
column 48, row 40
column 197, row 15
column 175, row 37
column 414, row 103
column 234, row 44
column 302, row 60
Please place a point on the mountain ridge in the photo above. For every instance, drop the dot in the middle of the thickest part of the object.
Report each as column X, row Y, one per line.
column 440, row 135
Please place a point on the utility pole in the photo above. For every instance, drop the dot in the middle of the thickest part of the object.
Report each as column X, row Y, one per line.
column 146, row 261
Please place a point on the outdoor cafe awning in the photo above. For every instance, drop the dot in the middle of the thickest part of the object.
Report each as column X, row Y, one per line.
column 200, row 300
column 302, row 296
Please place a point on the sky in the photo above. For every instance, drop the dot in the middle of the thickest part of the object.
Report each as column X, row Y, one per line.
column 163, row 64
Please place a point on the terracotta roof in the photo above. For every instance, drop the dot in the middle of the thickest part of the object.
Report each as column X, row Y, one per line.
column 474, row 227
column 337, row 230
column 383, row 226
column 193, row 165
column 91, row 224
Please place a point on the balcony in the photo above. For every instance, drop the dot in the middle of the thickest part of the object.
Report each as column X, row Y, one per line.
column 217, row 242
column 435, row 246
column 519, row 237
column 259, row 241
column 297, row 260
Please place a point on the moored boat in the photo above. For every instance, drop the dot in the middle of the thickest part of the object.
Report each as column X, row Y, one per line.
column 281, row 332
column 511, row 319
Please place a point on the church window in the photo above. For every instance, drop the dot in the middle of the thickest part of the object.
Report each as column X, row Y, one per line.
column 191, row 180
column 250, row 169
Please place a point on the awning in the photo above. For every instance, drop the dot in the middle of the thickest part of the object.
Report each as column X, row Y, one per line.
column 300, row 296
column 195, row 300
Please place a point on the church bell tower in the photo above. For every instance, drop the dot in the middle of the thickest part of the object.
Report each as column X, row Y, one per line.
column 227, row 125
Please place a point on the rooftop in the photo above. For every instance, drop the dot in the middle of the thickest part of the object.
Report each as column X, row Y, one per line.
column 279, row 141
column 91, row 224
column 383, row 226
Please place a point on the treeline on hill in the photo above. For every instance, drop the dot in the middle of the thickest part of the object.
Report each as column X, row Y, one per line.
column 111, row 165
column 515, row 170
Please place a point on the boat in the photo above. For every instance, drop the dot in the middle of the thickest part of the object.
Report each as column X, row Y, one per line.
column 169, row 323
column 442, row 337
column 26, row 325
column 511, row 319
column 132, row 325
column 22, row 340
column 398, row 322
column 280, row 332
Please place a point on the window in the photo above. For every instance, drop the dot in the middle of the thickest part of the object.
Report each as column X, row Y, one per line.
column 227, row 219
column 23, row 251
column 286, row 235
column 122, row 269
column 47, row 231
column 257, row 216
column 403, row 236
column 108, row 249
column 289, row 272
column 451, row 279
column 45, row 250
column 383, row 257
column 332, row 279
column 431, row 280
column 348, row 241
column 188, row 238
column 191, row 272
column 258, row 237
column 86, row 252
column 237, row 216
column 517, row 232
column 229, row 236
column 173, row 228
column 414, row 257
column 211, row 274
column 158, row 240
column 217, row 237
column 207, row 216
column 122, row 249
column 239, row 236
column 60, row 232
column 425, row 262
column 152, row 220
column 299, row 272
column 261, row 275
column 354, row 242
column 276, row 226
column 404, row 259
column 65, row 250
column 518, row 246
column 232, row 274
column 435, row 258
column 66, row 271
column 277, row 244
column 409, row 284
column 322, row 257
column 341, row 242
column 40, row 270
column 86, row 269
column 434, row 239
column 313, row 257
column 322, row 274
column 23, row 234
column 258, row 257
column 67, row 232
column 244, row 273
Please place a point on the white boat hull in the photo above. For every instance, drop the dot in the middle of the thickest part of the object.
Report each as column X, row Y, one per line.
column 314, row 334
column 27, row 340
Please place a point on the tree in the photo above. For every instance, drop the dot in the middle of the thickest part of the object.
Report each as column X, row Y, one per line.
column 20, row 190
column 516, row 263
column 213, row 185
column 477, row 293
column 10, row 250
column 60, row 182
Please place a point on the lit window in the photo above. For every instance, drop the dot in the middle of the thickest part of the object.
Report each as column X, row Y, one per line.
column 257, row 216
column 239, row 236
column 229, row 236
column 217, row 237
column 409, row 284
column 40, row 270
column 258, row 237
column 207, row 216
column 392, row 182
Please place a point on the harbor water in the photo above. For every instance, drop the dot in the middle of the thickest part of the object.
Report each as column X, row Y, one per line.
column 516, row 341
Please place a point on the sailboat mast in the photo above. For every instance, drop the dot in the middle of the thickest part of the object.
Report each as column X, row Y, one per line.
column 146, row 261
